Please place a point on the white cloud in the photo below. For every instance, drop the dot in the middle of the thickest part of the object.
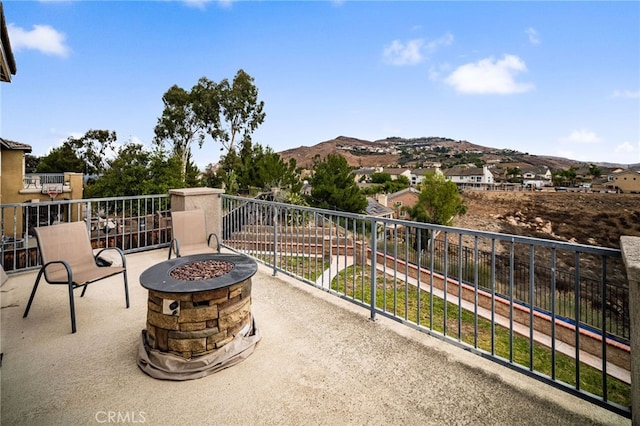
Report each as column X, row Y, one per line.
column 398, row 53
column 489, row 76
column 629, row 94
column 534, row 38
column 434, row 45
column 624, row 147
column 413, row 52
column 581, row 136
column 43, row 38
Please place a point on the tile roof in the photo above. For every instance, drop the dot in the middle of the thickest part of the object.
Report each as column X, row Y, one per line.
column 7, row 144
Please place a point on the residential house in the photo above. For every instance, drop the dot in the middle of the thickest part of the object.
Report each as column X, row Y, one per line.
column 470, row 177
column 364, row 174
column 18, row 187
column 417, row 175
column 627, row 181
column 395, row 173
column 407, row 197
column 537, row 177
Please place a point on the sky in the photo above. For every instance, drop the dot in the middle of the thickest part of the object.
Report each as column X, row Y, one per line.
column 545, row 78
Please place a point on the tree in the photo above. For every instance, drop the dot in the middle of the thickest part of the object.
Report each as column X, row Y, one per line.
column 514, row 175
column 257, row 167
column 595, row 171
column 179, row 124
column 380, row 177
column 439, row 203
column 59, row 160
column 94, row 148
column 240, row 108
column 31, row 163
column 136, row 171
column 226, row 112
column 334, row 187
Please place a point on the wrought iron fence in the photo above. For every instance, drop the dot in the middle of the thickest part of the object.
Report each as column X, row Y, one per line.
column 512, row 299
column 131, row 223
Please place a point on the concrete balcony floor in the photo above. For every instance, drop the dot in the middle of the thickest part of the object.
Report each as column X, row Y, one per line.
column 320, row 361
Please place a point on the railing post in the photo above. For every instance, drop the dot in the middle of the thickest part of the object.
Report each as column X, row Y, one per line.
column 630, row 247
column 374, row 267
column 207, row 199
column 275, row 241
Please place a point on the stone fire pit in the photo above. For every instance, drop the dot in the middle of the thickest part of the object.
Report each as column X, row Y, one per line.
column 199, row 315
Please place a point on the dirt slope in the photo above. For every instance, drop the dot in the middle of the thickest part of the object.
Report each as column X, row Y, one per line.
column 595, row 219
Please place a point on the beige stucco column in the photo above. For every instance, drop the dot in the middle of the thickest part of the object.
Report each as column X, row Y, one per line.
column 207, row 199
column 631, row 255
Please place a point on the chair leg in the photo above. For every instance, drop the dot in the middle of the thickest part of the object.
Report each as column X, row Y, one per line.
column 83, row 290
column 126, row 287
column 72, row 308
column 33, row 293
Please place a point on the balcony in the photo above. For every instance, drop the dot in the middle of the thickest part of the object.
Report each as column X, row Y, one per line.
column 321, row 360
column 553, row 311
column 38, row 182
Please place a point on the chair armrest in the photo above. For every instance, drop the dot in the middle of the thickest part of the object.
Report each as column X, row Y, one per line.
column 217, row 241
column 117, row 249
column 176, row 250
column 66, row 266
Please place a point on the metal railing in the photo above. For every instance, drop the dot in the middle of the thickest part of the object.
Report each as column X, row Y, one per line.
column 39, row 180
column 130, row 223
column 514, row 300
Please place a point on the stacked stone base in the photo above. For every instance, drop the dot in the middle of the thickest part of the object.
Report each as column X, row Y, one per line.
column 196, row 324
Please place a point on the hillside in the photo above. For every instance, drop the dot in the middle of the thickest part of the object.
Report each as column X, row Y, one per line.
column 421, row 152
column 594, row 219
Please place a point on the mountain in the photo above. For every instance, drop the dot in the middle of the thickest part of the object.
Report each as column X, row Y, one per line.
column 422, row 152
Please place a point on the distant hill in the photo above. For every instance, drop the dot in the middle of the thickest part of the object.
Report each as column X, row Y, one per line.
column 422, row 152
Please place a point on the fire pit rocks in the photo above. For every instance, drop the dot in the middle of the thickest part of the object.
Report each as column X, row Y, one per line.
column 197, row 306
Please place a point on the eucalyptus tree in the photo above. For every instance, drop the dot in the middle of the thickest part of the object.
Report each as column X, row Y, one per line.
column 240, row 111
column 181, row 122
column 227, row 112
column 95, row 148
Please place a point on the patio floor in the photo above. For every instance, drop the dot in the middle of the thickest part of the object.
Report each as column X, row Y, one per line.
column 320, row 361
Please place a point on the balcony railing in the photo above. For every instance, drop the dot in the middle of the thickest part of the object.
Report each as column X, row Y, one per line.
column 552, row 310
column 41, row 180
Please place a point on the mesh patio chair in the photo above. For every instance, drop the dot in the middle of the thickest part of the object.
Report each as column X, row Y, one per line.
column 67, row 258
column 190, row 234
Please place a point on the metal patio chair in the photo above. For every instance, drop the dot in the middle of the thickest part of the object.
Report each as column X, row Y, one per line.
column 67, row 258
column 189, row 231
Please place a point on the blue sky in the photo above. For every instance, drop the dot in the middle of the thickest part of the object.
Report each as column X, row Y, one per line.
column 547, row 78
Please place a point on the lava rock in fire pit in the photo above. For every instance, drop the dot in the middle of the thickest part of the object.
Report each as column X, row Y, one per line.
column 201, row 270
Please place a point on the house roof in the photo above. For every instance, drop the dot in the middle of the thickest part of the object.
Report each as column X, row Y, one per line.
column 540, row 170
column 374, row 208
column 628, row 172
column 393, row 171
column 7, row 144
column 7, row 61
column 464, row 171
column 396, row 194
